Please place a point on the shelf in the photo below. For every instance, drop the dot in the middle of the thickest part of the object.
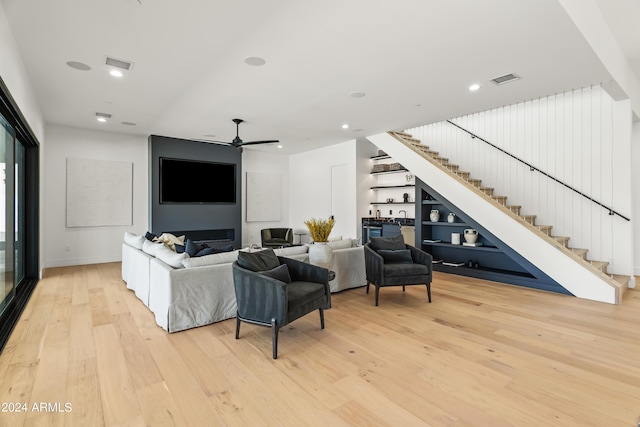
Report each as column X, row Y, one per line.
column 384, row 156
column 392, row 203
column 431, row 202
column 474, row 248
column 468, row 271
column 388, row 172
column 445, row 224
column 378, row 187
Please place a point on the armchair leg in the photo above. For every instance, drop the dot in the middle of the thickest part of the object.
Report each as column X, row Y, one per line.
column 377, row 293
column 274, row 337
column 429, row 291
column 367, row 287
column 402, row 288
column 321, row 318
column 237, row 325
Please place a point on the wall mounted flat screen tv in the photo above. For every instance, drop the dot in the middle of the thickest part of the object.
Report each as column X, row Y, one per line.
column 194, row 181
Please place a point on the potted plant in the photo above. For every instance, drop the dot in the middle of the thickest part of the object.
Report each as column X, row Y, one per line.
column 320, row 253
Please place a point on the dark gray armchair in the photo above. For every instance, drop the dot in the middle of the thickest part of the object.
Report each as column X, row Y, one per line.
column 391, row 262
column 274, row 291
column 276, row 237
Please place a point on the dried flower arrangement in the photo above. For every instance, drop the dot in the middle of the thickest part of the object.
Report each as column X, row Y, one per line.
column 320, row 228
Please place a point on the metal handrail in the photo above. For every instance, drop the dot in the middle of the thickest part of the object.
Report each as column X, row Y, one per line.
column 535, row 169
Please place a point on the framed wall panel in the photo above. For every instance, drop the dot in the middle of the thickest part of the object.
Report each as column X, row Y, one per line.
column 264, row 197
column 99, row 193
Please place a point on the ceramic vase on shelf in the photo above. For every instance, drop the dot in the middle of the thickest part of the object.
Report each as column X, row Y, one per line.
column 451, row 217
column 320, row 254
column 470, row 235
column 434, row 216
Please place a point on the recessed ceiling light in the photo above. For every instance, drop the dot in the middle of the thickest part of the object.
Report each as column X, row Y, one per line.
column 279, row 145
column 474, row 87
column 357, row 94
column 345, row 126
column 256, row 61
column 78, row 65
column 116, row 73
column 102, row 117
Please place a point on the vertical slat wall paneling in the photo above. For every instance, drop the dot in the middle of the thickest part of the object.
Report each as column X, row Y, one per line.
column 570, row 136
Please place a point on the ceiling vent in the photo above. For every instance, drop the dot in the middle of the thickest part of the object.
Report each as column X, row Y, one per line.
column 103, row 115
column 505, row 79
column 119, row 63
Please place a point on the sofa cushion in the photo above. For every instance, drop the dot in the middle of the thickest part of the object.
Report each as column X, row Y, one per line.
column 341, row 244
column 404, row 270
column 214, row 259
column 390, row 243
column 280, row 273
column 291, row 250
column 300, row 293
column 399, row 256
column 258, row 261
column 170, row 257
column 150, row 247
column 133, row 240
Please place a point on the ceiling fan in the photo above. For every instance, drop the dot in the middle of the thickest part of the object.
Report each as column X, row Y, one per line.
column 238, row 142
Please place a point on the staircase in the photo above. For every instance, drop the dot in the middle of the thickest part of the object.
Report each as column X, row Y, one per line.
column 570, row 267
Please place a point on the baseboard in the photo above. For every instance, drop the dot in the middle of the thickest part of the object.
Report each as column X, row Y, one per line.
column 80, row 261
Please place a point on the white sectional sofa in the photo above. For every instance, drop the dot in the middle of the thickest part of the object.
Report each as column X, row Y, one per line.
column 184, row 292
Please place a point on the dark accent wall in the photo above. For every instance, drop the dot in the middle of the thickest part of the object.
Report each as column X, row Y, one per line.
column 217, row 224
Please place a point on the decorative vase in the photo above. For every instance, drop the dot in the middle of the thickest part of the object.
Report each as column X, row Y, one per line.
column 451, row 217
column 434, row 216
column 470, row 235
column 320, row 254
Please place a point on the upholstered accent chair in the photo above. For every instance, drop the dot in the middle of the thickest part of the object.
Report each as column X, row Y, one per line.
column 274, row 291
column 391, row 262
column 276, row 237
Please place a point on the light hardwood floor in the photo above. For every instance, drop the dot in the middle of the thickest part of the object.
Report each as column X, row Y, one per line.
column 481, row 354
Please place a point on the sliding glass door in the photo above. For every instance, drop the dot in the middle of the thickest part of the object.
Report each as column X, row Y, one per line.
column 7, row 282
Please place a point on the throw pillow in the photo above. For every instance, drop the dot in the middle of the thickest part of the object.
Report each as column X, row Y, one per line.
column 206, row 251
column 179, row 248
column 388, row 243
column 150, row 236
column 170, row 240
column 192, row 248
column 258, row 261
column 400, row 256
column 280, row 273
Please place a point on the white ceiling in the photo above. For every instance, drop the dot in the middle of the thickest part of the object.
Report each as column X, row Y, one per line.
column 414, row 59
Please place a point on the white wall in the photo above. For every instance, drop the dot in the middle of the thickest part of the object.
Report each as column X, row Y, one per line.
column 635, row 160
column 15, row 78
column 267, row 163
column 580, row 137
column 310, row 188
column 88, row 245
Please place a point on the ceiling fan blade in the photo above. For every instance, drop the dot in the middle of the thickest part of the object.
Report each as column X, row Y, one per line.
column 268, row 141
column 213, row 142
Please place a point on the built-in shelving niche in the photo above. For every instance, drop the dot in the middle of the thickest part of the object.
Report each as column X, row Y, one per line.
column 494, row 259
